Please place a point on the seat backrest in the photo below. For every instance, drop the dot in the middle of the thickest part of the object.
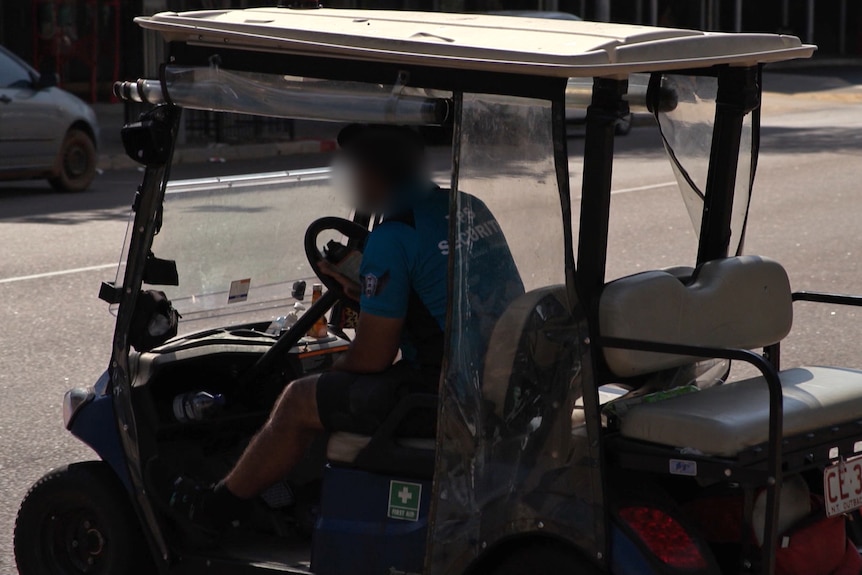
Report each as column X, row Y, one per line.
column 739, row 302
column 512, row 349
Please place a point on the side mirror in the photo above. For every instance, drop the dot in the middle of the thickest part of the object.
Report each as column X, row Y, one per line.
column 47, row 76
column 149, row 141
column 46, row 81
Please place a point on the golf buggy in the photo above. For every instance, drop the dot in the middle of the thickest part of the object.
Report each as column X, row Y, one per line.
column 592, row 427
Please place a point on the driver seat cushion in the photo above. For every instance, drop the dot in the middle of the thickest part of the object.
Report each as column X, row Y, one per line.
column 725, row 420
column 344, row 447
column 502, row 359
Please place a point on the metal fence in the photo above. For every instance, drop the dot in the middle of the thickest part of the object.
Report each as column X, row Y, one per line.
column 207, row 127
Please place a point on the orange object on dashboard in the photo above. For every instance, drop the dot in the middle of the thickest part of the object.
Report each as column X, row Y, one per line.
column 319, row 329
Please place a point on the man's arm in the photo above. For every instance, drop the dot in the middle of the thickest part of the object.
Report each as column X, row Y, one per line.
column 375, row 346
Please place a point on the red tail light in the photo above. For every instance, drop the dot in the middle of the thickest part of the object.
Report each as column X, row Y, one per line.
column 664, row 537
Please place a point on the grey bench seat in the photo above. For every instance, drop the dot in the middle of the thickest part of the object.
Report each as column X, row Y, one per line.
column 727, row 419
column 740, row 302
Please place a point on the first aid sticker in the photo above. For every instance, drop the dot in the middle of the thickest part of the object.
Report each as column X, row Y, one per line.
column 404, row 500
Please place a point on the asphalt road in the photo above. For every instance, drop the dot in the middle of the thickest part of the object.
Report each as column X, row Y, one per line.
column 57, row 248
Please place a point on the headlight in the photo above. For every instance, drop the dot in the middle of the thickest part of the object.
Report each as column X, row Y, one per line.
column 73, row 401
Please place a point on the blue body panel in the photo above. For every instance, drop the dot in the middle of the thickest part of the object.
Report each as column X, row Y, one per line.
column 354, row 534
column 627, row 558
column 96, row 426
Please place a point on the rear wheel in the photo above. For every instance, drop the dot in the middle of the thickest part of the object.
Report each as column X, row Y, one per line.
column 77, row 520
column 543, row 559
column 76, row 164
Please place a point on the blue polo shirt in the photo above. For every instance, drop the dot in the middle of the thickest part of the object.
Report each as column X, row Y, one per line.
column 404, row 271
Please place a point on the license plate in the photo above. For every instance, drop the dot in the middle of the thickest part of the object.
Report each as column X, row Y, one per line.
column 842, row 486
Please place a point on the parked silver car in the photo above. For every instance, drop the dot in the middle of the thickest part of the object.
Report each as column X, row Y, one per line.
column 45, row 132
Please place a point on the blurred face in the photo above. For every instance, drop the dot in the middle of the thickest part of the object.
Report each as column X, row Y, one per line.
column 369, row 192
column 373, row 192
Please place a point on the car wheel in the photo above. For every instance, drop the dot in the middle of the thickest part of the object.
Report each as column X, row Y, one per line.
column 77, row 519
column 543, row 559
column 76, row 163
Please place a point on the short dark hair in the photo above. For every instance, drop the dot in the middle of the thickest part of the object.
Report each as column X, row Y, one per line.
column 395, row 153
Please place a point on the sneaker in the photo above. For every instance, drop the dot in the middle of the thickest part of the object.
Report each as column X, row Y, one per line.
column 207, row 505
column 191, row 501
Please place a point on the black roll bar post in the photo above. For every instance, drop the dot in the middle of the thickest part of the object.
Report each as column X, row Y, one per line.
column 602, row 115
column 738, row 94
column 605, row 109
column 151, row 142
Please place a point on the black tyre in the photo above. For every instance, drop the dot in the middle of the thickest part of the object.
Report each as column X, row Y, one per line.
column 543, row 559
column 76, row 163
column 77, row 519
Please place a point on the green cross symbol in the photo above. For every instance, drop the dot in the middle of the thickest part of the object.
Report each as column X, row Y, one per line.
column 404, row 500
column 405, row 495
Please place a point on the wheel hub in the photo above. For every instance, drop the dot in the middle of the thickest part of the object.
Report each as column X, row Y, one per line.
column 76, row 541
column 95, row 542
column 75, row 161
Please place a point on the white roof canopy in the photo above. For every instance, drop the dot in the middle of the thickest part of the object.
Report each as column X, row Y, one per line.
column 473, row 41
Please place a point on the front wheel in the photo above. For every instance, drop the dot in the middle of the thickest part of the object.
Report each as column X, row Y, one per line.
column 76, row 163
column 77, row 519
column 543, row 559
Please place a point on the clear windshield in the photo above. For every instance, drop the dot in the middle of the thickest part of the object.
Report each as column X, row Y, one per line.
column 687, row 133
column 238, row 241
column 508, row 449
column 273, row 95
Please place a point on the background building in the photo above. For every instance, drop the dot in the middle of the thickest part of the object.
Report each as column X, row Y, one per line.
column 91, row 43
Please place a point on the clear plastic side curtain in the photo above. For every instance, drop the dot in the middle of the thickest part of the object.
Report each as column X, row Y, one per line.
column 686, row 130
column 513, row 450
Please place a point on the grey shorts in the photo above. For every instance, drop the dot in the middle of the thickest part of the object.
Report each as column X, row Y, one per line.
column 361, row 402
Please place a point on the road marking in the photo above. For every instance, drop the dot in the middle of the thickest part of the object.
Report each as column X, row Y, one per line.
column 57, row 273
column 639, row 189
column 643, row 188
column 106, row 266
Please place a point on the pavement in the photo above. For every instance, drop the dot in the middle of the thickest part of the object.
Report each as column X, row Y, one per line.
column 56, row 334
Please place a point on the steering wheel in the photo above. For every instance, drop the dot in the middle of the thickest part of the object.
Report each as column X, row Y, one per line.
column 354, row 232
column 357, row 234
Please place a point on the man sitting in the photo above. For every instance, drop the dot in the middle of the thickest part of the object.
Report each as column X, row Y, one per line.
column 402, row 292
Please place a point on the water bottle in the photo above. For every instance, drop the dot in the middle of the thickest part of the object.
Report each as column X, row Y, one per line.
column 197, row 406
column 285, row 322
column 277, row 325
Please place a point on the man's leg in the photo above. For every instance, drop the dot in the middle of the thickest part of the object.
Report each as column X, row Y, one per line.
column 281, row 442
